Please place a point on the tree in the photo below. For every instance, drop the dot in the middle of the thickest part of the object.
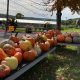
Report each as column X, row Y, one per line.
column 59, row 5
column 19, row 15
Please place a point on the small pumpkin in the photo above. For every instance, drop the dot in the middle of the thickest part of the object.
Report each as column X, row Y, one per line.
column 68, row 39
column 37, row 48
column 51, row 32
column 14, row 38
column 18, row 55
column 9, row 49
column 60, row 38
column 2, row 54
column 32, row 40
column 76, row 39
column 6, row 41
column 45, row 46
column 74, row 34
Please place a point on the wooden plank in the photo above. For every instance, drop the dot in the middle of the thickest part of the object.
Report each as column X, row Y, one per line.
column 28, row 66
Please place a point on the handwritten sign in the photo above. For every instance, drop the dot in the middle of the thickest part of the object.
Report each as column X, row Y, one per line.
column 11, row 28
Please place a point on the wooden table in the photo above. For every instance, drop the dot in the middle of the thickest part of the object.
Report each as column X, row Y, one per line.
column 24, row 66
column 72, row 44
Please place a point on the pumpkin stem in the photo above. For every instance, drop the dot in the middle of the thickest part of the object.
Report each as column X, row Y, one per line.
column 16, row 34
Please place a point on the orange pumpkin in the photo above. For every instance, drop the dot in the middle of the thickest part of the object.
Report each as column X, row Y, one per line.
column 32, row 40
column 51, row 32
column 29, row 55
column 57, row 32
column 60, row 38
column 54, row 41
column 2, row 54
column 51, row 41
column 14, row 38
column 18, row 55
column 9, row 49
column 48, row 35
column 45, row 46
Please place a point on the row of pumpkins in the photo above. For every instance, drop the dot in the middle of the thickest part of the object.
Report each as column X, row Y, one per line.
column 27, row 48
column 73, row 37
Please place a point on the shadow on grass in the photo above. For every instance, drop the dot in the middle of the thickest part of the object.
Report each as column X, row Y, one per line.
column 63, row 65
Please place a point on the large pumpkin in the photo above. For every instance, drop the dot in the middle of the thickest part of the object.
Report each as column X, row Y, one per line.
column 60, row 38
column 25, row 45
column 29, row 55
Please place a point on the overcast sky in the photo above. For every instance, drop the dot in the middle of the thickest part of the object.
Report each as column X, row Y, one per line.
column 33, row 8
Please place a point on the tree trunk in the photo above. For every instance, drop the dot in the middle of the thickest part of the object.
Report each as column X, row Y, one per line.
column 58, row 19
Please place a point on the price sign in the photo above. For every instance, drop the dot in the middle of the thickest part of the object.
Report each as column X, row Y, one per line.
column 11, row 28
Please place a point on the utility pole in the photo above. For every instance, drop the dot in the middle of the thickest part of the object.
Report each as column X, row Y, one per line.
column 7, row 16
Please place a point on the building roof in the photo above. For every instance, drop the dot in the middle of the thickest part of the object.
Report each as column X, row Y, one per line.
column 33, row 21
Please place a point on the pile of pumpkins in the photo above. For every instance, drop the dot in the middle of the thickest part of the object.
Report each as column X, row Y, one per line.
column 24, row 48
column 27, row 48
column 73, row 37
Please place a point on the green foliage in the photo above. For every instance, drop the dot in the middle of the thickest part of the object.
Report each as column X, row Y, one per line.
column 19, row 15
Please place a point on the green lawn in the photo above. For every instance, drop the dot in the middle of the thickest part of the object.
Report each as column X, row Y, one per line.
column 63, row 65
column 71, row 30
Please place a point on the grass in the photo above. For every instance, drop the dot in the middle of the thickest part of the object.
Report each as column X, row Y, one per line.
column 63, row 65
column 71, row 30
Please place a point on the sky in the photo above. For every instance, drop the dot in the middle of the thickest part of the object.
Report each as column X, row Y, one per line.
column 33, row 8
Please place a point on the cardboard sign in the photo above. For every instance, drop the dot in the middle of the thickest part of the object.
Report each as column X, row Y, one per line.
column 11, row 28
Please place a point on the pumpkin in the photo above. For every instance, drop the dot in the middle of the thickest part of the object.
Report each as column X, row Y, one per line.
column 9, row 49
column 45, row 46
column 48, row 35
column 54, row 41
column 12, row 62
column 60, row 38
column 76, row 39
column 51, row 32
column 14, row 38
column 29, row 55
column 67, row 34
column 4, row 70
column 32, row 40
column 57, row 32
column 2, row 54
column 18, row 55
column 37, row 48
column 68, row 39
column 40, row 38
column 25, row 45
column 6, row 41
column 74, row 34
column 51, row 41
